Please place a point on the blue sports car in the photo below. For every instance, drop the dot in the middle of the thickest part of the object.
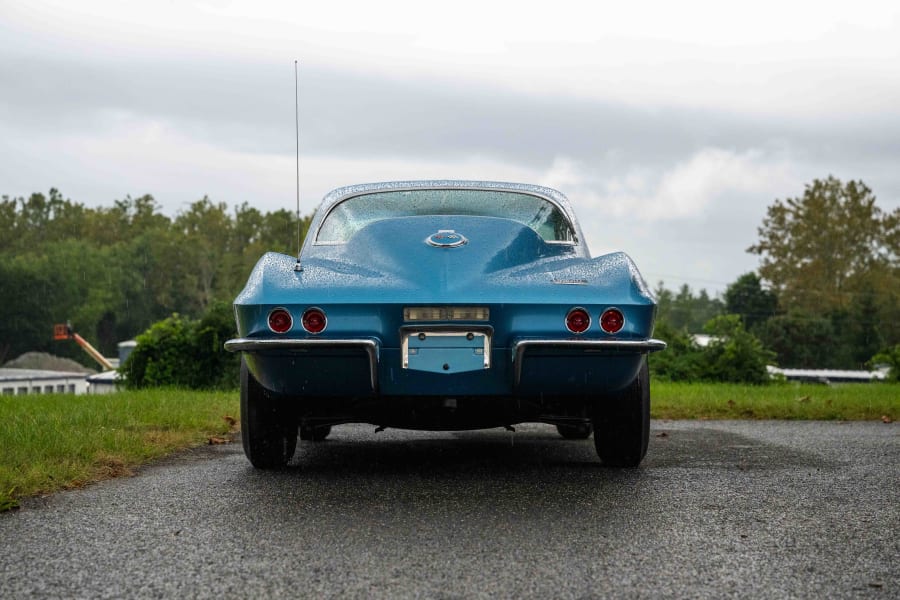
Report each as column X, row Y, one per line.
column 444, row 305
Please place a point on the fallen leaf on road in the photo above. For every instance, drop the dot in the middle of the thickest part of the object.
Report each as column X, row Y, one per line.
column 662, row 434
column 217, row 440
column 886, row 419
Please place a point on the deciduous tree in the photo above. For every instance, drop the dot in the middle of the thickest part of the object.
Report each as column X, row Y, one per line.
column 820, row 250
column 833, row 258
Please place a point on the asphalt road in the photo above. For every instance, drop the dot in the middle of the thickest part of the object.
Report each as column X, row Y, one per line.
column 718, row 509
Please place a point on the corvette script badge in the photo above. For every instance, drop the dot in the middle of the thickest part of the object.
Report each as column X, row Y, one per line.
column 446, row 238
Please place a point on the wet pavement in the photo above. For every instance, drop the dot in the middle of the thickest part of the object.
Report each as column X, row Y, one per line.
column 718, row 509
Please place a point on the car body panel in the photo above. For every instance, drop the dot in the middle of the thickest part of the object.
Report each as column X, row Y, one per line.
column 370, row 360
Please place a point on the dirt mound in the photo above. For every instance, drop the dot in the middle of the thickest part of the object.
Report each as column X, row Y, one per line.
column 47, row 362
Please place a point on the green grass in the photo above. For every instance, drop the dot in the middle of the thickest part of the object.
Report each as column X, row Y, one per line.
column 59, row 441
column 848, row 402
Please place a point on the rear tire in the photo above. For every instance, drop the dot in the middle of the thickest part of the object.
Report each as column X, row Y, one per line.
column 314, row 433
column 581, row 431
column 268, row 427
column 622, row 423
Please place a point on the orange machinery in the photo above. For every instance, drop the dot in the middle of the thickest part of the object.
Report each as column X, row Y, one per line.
column 63, row 331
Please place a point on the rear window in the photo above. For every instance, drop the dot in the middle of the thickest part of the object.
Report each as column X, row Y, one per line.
column 351, row 215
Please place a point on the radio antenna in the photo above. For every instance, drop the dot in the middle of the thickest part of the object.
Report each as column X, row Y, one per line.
column 297, row 267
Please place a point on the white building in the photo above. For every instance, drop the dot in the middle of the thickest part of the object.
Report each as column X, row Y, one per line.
column 21, row 382
column 104, row 383
column 828, row 375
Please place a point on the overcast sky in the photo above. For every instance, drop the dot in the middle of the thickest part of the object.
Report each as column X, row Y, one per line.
column 670, row 126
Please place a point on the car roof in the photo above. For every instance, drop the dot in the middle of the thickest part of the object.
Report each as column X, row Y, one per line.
column 340, row 194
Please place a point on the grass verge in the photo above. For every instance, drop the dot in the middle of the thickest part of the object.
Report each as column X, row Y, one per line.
column 848, row 402
column 53, row 442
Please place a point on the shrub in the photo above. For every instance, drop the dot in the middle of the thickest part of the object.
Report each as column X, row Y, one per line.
column 182, row 352
column 890, row 357
column 682, row 360
column 733, row 355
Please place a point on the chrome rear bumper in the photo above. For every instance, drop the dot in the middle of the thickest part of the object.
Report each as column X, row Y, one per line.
column 370, row 347
column 588, row 346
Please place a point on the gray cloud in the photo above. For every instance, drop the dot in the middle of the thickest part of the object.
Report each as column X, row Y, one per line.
column 249, row 107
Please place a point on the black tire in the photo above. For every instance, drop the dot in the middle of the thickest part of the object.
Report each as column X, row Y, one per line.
column 580, row 431
column 268, row 427
column 622, row 423
column 314, row 433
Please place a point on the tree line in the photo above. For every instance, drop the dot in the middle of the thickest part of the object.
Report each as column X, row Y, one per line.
column 114, row 271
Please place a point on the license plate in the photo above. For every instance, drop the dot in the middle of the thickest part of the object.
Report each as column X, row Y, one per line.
column 446, row 351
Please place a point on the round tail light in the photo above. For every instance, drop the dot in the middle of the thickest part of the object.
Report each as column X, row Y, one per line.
column 314, row 320
column 612, row 320
column 578, row 320
column 280, row 321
